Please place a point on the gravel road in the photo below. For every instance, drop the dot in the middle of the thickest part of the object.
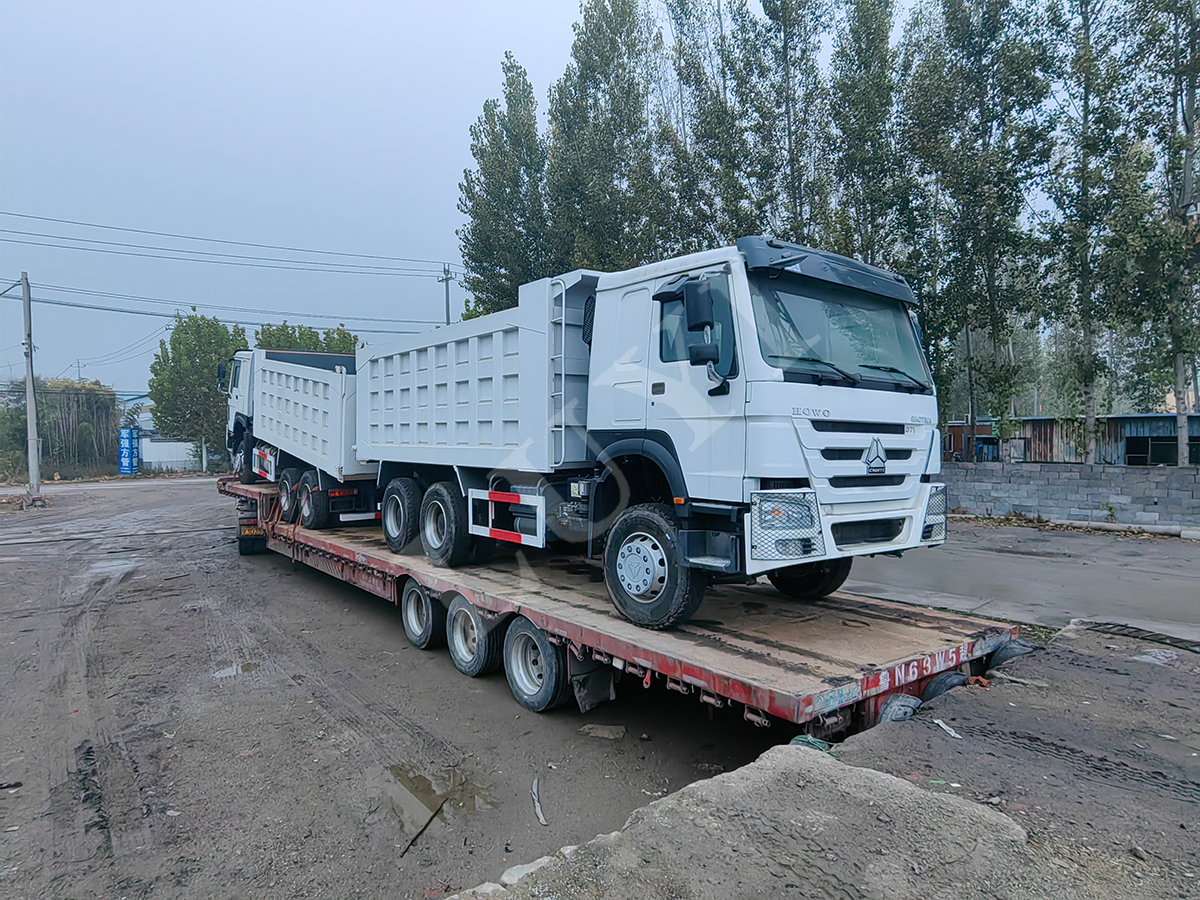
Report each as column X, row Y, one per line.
column 187, row 722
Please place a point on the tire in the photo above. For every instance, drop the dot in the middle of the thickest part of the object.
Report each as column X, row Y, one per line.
column 424, row 618
column 312, row 501
column 898, row 708
column 474, row 649
column 444, row 535
column 811, row 581
column 399, row 511
column 644, row 572
column 1010, row 650
column 289, row 488
column 536, row 668
column 939, row 684
column 245, row 469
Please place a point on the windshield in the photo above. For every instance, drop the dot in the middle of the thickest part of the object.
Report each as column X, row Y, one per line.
column 834, row 333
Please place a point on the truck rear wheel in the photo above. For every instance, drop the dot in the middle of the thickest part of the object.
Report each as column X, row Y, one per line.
column 474, row 648
column 244, row 459
column 644, row 570
column 444, row 534
column 811, row 581
column 424, row 618
column 399, row 511
column 289, row 488
column 536, row 668
column 313, row 502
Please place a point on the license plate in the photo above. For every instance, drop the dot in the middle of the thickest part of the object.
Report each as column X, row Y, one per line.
column 251, row 531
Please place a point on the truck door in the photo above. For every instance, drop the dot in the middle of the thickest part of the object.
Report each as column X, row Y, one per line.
column 617, row 393
column 709, row 431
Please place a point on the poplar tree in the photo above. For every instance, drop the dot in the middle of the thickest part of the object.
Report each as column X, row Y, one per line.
column 503, row 243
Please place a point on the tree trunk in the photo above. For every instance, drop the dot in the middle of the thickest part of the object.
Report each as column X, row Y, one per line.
column 1087, row 391
column 969, row 440
column 1181, row 416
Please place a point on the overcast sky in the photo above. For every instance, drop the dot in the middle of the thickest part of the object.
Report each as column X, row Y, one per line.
column 325, row 126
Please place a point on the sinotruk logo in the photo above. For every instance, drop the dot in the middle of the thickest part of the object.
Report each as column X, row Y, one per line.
column 876, row 458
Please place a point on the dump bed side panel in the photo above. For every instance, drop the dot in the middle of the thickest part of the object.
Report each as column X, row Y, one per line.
column 502, row 391
column 308, row 412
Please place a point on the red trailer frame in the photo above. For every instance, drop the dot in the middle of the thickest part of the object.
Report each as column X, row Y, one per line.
column 831, row 663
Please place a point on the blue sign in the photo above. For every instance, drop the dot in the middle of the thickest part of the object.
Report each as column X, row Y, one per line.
column 129, row 450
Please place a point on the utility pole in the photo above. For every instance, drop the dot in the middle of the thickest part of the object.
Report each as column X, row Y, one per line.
column 35, row 476
column 446, row 278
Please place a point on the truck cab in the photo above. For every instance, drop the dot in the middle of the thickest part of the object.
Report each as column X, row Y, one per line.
column 239, row 419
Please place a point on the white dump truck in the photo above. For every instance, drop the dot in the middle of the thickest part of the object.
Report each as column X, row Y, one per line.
column 764, row 409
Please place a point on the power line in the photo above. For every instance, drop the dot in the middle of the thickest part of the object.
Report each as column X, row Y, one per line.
column 201, row 305
column 186, row 237
column 218, row 262
column 332, row 266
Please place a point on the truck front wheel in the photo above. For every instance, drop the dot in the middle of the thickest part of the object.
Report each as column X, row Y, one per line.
column 400, row 507
column 313, row 502
column 644, row 570
column 811, row 581
column 244, row 459
column 444, row 534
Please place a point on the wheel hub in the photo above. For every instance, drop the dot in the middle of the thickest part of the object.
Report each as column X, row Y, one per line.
column 642, row 567
column 527, row 666
column 435, row 526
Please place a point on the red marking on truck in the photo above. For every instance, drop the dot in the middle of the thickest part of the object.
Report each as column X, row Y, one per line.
column 506, row 497
column 501, row 534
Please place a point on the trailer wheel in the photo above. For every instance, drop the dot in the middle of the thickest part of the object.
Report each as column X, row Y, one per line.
column 811, row 581
column 289, row 487
column 644, row 572
column 424, row 618
column 474, row 649
column 399, row 511
column 941, row 683
column 444, row 534
column 313, row 502
column 244, row 460
column 536, row 668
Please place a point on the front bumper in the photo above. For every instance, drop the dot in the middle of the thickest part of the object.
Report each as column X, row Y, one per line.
column 789, row 527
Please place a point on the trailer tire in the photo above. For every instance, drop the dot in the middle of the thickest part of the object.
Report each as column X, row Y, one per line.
column 1010, row 650
column 313, row 502
column 245, row 469
column 644, row 571
column 399, row 511
column 474, row 648
column 289, row 487
column 898, row 708
column 941, row 683
column 444, row 534
column 536, row 668
column 424, row 618
column 811, row 581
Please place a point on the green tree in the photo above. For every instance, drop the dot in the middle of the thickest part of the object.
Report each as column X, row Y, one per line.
column 301, row 337
column 869, row 189
column 503, row 244
column 605, row 200
column 188, row 405
column 1086, row 186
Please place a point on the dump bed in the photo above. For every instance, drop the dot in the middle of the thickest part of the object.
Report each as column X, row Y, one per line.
column 747, row 644
column 503, row 391
column 308, row 411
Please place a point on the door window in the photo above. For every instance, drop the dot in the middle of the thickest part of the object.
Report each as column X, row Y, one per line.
column 674, row 338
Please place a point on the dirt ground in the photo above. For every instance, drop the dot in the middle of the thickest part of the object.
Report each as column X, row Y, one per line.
column 186, row 722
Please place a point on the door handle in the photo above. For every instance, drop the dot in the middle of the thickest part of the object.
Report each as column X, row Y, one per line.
column 659, row 387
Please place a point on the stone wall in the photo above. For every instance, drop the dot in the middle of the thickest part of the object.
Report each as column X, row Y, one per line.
column 1131, row 495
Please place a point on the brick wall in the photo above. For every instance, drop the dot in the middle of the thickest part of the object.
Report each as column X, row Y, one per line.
column 1130, row 494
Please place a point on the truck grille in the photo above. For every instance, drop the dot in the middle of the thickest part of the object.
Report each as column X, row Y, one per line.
column 852, row 453
column 856, row 481
column 857, row 427
column 873, row 531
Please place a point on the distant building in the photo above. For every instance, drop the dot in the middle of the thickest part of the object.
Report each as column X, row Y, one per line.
column 987, row 443
column 1146, row 439
column 160, row 454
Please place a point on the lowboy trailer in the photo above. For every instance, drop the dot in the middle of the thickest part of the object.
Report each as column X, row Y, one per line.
column 836, row 664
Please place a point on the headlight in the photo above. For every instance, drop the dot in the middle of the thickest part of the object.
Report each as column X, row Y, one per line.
column 776, row 512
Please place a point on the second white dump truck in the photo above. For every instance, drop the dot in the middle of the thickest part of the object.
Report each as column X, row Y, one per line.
column 758, row 409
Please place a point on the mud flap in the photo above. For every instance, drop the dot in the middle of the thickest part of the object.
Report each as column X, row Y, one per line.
column 591, row 681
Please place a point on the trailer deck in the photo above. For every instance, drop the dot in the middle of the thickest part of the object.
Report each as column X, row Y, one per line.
column 800, row 661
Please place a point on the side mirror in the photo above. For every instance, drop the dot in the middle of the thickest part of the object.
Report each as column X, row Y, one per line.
column 698, row 306
column 704, row 354
column 220, row 373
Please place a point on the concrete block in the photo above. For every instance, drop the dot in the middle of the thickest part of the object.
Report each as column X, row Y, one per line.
column 1190, row 534
column 1119, row 499
column 1145, row 518
column 516, row 873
